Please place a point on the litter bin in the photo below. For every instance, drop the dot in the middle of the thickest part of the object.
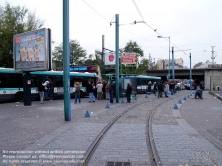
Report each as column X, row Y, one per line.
column 218, row 88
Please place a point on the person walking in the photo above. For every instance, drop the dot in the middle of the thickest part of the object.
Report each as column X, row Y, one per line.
column 99, row 88
column 41, row 90
column 128, row 92
column 77, row 93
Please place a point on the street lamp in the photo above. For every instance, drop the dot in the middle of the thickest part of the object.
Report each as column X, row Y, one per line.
column 169, row 55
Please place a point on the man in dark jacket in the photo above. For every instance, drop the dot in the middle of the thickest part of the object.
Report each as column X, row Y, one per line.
column 104, row 89
column 51, row 89
column 128, row 92
column 160, row 89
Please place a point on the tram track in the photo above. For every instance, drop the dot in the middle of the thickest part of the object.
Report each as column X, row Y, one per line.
column 152, row 150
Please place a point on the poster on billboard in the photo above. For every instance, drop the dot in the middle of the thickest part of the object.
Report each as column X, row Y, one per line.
column 129, row 58
column 110, row 59
column 32, row 50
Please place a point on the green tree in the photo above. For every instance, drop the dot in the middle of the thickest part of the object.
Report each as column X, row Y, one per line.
column 133, row 47
column 97, row 61
column 14, row 20
column 143, row 65
column 77, row 53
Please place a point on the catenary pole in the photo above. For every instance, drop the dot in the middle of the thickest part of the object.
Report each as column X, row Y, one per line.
column 173, row 64
column 190, row 73
column 66, row 52
column 117, row 58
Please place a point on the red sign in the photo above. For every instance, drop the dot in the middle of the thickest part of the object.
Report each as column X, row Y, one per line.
column 17, row 40
column 129, row 58
column 111, row 58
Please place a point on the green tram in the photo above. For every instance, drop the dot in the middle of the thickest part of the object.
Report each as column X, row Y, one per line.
column 139, row 83
column 11, row 83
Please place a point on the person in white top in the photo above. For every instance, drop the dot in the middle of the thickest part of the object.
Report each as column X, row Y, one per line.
column 46, row 85
column 99, row 87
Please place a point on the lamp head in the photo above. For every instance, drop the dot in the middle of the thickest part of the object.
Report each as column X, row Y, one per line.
column 160, row 36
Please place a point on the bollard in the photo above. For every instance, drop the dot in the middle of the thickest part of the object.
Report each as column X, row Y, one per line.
column 175, row 106
column 87, row 114
column 107, row 106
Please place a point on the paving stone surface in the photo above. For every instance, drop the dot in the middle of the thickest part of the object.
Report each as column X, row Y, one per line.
column 40, row 130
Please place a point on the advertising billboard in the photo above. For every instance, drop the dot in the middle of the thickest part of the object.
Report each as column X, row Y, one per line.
column 32, row 50
column 129, row 58
column 110, row 59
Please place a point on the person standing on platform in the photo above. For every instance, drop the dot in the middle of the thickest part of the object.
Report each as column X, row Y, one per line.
column 104, row 89
column 154, row 87
column 51, row 89
column 107, row 91
column 128, row 92
column 77, row 93
column 46, row 85
column 41, row 90
column 99, row 88
column 149, row 86
column 160, row 89
column 90, row 90
column 167, row 89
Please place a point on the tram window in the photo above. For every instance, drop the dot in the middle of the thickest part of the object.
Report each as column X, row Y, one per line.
column 71, row 82
column 58, row 81
column 6, row 81
column 18, row 81
column 33, row 81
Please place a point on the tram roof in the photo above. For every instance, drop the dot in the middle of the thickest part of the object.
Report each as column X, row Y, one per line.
column 11, row 70
column 134, row 76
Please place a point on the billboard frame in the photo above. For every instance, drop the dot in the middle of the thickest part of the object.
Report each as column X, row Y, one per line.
column 31, row 46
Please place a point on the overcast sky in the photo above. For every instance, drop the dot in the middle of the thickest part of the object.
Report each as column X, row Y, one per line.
column 191, row 24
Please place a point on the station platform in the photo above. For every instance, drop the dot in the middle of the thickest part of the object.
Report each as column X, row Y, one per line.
column 186, row 132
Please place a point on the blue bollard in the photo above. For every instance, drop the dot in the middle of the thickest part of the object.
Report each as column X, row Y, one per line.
column 107, row 106
column 175, row 106
column 87, row 114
